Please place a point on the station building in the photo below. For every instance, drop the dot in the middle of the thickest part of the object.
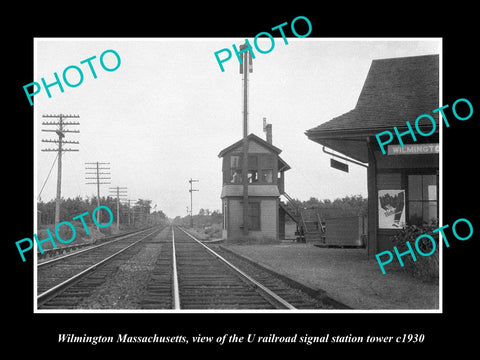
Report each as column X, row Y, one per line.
column 403, row 184
column 266, row 219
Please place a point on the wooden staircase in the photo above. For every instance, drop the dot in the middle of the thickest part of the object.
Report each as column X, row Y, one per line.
column 310, row 228
column 314, row 229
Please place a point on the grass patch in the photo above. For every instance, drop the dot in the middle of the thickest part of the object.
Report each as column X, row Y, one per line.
column 209, row 232
column 66, row 233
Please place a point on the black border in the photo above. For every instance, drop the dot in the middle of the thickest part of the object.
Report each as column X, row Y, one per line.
column 39, row 331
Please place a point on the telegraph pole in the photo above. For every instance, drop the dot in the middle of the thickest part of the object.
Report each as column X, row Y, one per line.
column 129, row 209
column 245, row 68
column 191, row 181
column 60, row 131
column 118, row 191
column 98, row 179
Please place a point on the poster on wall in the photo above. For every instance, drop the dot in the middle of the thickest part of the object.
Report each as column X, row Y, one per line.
column 391, row 209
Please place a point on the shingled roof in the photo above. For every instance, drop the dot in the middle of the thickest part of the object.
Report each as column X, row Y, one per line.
column 252, row 137
column 396, row 90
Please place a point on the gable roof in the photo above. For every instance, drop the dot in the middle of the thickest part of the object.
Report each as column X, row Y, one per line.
column 282, row 165
column 396, row 90
column 251, row 137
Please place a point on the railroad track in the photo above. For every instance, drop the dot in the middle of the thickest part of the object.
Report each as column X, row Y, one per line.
column 189, row 275
column 183, row 273
column 53, row 253
column 63, row 281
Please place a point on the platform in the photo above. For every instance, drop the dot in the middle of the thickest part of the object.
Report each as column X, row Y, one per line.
column 346, row 275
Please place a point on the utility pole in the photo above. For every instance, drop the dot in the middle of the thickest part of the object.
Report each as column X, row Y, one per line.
column 118, row 191
column 191, row 181
column 129, row 209
column 60, row 131
column 245, row 68
column 98, row 179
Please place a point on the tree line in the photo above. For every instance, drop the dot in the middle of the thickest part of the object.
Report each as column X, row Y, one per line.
column 354, row 205
column 137, row 214
column 204, row 218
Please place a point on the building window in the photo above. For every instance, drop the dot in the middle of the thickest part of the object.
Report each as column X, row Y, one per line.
column 267, row 176
column 422, row 199
column 252, row 176
column 253, row 162
column 254, row 216
column 234, row 161
column 235, row 170
column 235, row 176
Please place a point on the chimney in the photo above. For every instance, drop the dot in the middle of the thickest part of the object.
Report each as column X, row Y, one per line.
column 268, row 129
column 269, row 133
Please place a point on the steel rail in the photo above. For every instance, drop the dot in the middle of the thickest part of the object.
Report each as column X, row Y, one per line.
column 274, row 298
column 176, row 292
column 73, row 253
column 50, row 293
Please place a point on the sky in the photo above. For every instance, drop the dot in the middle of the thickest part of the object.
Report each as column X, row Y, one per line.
column 168, row 110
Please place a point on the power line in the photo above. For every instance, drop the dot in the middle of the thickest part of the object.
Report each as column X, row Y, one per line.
column 45, row 182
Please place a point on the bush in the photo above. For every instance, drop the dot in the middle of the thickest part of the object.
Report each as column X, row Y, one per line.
column 214, row 231
column 426, row 267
